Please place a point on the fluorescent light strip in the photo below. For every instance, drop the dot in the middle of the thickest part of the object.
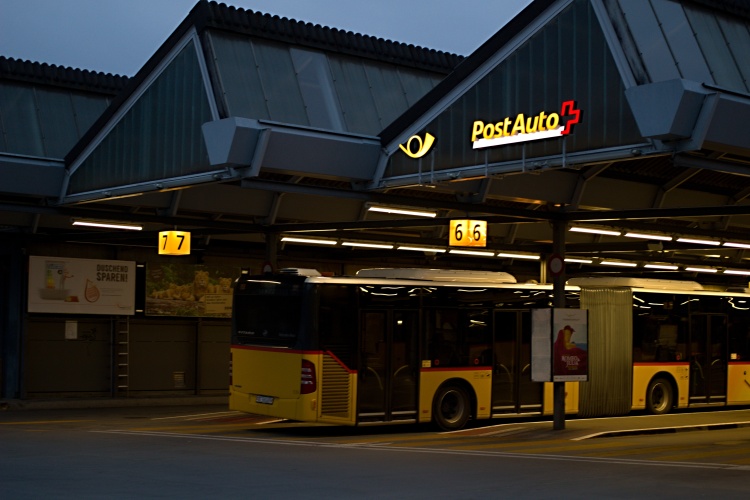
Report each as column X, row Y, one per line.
column 661, row 266
column 578, row 261
column 423, row 249
column 518, row 256
column 108, row 225
column 591, row 230
column 309, row 241
column 366, row 245
column 736, row 245
column 736, row 271
column 649, row 236
column 700, row 269
column 616, row 263
column 698, row 242
column 472, row 252
column 402, row 211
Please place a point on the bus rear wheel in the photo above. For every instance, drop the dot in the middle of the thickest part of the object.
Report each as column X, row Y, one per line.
column 451, row 408
column 659, row 396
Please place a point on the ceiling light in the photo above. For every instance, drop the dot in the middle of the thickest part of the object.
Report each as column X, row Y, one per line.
column 736, row 245
column 649, row 236
column 310, row 241
column 700, row 269
column 518, row 256
column 736, row 271
column 578, row 261
column 667, row 267
column 592, row 230
column 423, row 249
column 108, row 225
column 698, row 242
column 367, row 245
column 618, row 263
column 402, row 211
column 478, row 253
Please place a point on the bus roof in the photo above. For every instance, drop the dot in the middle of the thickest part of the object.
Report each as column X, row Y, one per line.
column 451, row 275
column 649, row 283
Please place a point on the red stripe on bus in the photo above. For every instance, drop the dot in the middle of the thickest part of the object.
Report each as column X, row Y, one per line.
column 457, row 369
column 341, row 363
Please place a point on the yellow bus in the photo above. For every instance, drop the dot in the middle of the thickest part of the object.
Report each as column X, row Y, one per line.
column 686, row 345
column 443, row 346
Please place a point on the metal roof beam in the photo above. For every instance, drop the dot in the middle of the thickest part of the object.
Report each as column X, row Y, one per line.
column 399, row 200
column 661, row 213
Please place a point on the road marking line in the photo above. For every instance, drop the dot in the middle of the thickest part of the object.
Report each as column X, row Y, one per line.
column 664, row 430
column 219, row 413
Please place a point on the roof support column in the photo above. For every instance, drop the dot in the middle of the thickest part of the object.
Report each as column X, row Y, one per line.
column 272, row 251
column 559, row 229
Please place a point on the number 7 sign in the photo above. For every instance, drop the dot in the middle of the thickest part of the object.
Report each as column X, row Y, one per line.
column 174, row 243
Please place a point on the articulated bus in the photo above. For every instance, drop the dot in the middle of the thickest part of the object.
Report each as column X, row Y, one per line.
column 444, row 346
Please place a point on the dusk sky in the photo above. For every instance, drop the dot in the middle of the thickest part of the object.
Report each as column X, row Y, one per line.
column 118, row 36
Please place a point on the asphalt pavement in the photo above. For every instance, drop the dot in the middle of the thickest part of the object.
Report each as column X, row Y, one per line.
column 574, row 428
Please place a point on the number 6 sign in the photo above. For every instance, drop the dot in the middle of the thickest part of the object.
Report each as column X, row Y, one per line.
column 468, row 233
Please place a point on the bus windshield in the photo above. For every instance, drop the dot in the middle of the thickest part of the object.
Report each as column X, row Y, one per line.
column 267, row 313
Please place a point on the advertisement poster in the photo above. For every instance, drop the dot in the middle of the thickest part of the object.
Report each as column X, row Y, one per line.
column 190, row 290
column 81, row 286
column 570, row 347
column 541, row 347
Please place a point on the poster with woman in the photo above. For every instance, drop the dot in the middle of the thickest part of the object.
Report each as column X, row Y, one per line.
column 570, row 345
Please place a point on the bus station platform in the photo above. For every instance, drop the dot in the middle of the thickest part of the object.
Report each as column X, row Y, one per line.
column 628, row 425
column 518, row 429
column 121, row 402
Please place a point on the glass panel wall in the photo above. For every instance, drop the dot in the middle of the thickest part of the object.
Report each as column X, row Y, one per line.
column 45, row 122
column 288, row 84
column 159, row 136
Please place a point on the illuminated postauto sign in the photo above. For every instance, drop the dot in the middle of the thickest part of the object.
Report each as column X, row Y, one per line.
column 523, row 129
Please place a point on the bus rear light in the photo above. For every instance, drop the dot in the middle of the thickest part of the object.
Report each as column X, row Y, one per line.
column 308, row 384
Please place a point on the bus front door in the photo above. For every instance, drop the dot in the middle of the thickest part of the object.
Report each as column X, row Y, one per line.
column 708, row 359
column 512, row 388
column 387, row 389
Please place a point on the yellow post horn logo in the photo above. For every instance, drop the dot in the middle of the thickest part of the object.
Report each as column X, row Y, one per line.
column 423, row 146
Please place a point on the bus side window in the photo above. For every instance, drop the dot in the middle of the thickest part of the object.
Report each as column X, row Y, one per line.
column 478, row 337
column 337, row 323
column 739, row 340
column 443, row 338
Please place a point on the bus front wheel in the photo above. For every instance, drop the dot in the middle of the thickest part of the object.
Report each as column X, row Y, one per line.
column 659, row 396
column 451, row 408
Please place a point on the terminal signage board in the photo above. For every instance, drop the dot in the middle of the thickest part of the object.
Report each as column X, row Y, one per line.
column 509, row 130
column 522, row 128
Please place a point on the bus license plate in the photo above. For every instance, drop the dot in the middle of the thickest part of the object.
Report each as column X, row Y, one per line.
column 264, row 400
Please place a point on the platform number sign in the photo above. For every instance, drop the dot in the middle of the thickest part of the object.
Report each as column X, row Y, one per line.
column 174, row 243
column 468, row 233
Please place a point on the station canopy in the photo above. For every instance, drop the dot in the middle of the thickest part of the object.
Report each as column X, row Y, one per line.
column 628, row 119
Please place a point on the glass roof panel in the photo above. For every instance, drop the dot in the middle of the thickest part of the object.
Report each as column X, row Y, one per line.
column 158, row 137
